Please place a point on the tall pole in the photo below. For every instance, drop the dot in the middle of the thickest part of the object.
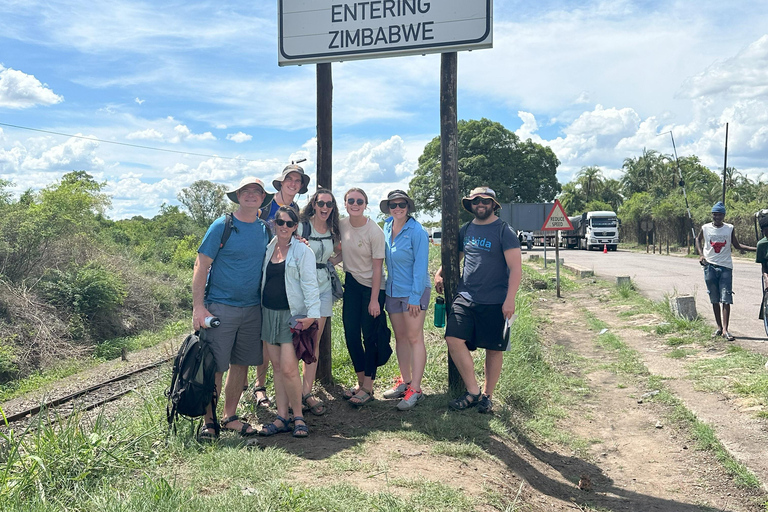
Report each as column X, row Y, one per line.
column 325, row 180
column 725, row 160
column 449, row 156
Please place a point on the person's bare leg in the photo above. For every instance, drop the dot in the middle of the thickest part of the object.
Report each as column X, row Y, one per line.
column 462, row 358
column 233, row 390
column 726, row 316
column 402, row 346
column 493, row 362
column 309, row 371
column 414, row 329
column 261, row 374
column 716, row 310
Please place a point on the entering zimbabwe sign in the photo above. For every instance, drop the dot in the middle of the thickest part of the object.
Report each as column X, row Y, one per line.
column 313, row 31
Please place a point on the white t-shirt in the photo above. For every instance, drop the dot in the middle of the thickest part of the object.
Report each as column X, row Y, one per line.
column 717, row 244
column 359, row 247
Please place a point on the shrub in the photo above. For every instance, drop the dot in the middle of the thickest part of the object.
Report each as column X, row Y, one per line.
column 87, row 291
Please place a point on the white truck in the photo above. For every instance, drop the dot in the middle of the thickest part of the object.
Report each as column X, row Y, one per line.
column 593, row 229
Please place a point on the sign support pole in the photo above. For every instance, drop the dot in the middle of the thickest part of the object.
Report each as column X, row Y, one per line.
column 557, row 264
column 325, row 180
column 449, row 153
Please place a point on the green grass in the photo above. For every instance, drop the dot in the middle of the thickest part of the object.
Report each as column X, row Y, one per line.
column 738, row 371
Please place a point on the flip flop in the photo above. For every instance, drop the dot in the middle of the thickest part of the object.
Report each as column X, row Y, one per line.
column 728, row 336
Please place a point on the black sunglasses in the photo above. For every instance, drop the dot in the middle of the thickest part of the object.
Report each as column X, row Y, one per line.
column 360, row 202
column 322, row 204
column 402, row 205
column 482, row 200
column 281, row 222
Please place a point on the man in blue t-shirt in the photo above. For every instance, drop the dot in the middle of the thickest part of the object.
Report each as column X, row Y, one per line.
column 486, row 297
column 232, row 273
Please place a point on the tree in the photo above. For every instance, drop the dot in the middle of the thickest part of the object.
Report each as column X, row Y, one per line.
column 491, row 155
column 591, row 181
column 204, row 200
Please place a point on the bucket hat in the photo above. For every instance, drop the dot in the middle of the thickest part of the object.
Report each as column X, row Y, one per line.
column 249, row 180
column 278, row 183
column 396, row 194
column 466, row 202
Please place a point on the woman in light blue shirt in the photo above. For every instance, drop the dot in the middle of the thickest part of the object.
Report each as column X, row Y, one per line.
column 407, row 294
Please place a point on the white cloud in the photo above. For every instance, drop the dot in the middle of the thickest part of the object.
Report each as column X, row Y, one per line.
column 239, row 137
column 137, row 100
column 383, row 162
column 19, row 90
column 184, row 133
column 148, row 134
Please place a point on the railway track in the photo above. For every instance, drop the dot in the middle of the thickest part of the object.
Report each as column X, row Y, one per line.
column 91, row 397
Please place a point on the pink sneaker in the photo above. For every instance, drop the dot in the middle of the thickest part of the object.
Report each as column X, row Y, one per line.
column 410, row 399
column 398, row 391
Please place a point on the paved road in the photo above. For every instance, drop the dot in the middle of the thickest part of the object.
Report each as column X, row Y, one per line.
column 656, row 275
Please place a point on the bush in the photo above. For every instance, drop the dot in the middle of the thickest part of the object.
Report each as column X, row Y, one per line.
column 87, row 291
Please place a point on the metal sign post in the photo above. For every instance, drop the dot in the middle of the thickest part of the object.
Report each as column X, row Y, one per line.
column 556, row 221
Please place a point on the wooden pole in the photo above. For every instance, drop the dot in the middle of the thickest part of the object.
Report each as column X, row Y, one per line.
column 725, row 160
column 325, row 180
column 449, row 152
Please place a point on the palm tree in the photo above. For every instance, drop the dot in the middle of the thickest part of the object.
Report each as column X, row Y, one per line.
column 590, row 179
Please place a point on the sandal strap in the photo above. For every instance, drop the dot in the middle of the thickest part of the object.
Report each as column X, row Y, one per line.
column 260, row 388
column 232, row 418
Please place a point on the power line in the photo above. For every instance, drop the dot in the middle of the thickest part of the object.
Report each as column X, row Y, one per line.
column 124, row 143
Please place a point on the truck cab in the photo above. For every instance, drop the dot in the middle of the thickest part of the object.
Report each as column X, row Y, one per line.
column 601, row 229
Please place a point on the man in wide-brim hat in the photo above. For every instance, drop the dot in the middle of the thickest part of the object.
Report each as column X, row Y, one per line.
column 484, row 192
column 226, row 283
column 485, row 304
column 300, row 177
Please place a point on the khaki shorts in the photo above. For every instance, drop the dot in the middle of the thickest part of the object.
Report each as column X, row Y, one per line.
column 238, row 339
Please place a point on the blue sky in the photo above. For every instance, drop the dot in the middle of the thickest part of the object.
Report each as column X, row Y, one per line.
column 596, row 81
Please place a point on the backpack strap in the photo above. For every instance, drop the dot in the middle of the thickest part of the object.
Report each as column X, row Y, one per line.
column 306, row 229
column 229, row 225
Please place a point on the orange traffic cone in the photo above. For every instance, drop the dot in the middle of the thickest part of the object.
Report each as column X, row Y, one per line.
column 605, row 248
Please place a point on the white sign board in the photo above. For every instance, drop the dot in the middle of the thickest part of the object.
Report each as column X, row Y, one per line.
column 313, row 31
column 557, row 220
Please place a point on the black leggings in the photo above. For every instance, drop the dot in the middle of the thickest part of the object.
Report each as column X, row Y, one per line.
column 357, row 320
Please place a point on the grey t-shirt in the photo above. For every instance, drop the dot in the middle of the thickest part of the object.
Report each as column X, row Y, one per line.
column 486, row 275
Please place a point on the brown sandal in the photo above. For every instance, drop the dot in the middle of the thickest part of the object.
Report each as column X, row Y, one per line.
column 361, row 398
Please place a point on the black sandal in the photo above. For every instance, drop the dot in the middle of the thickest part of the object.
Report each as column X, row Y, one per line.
column 264, row 401
column 208, row 432
column 243, row 430
column 300, row 430
column 465, row 401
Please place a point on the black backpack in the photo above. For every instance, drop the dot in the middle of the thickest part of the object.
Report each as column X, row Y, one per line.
column 193, row 385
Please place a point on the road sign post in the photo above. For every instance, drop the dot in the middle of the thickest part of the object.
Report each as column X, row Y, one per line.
column 556, row 221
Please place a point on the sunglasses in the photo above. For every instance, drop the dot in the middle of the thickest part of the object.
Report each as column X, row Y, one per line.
column 360, row 202
column 281, row 222
column 322, row 204
column 482, row 200
column 402, row 205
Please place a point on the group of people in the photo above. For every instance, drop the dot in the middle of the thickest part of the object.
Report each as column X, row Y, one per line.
column 272, row 277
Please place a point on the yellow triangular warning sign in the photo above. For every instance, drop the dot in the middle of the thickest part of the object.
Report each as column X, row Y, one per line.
column 557, row 219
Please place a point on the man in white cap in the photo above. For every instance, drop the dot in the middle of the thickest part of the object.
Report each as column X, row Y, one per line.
column 486, row 297
column 226, row 283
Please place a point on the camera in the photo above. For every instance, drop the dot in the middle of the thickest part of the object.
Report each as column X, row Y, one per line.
column 211, row 321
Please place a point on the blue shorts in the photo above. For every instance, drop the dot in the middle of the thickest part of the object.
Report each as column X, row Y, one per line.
column 719, row 283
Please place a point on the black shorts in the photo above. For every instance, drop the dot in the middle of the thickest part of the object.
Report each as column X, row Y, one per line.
column 479, row 325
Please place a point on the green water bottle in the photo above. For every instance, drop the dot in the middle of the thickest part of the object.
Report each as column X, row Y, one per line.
column 439, row 312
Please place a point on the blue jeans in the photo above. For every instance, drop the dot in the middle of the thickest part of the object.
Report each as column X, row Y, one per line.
column 719, row 283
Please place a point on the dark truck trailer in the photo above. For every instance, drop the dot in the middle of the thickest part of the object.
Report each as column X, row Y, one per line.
column 529, row 217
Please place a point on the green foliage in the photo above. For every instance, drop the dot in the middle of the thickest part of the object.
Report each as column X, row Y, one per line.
column 87, row 290
column 489, row 154
column 186, row 252
column 205, row 201
column 8, row 366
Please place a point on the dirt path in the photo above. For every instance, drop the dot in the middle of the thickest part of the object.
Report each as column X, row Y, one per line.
column 642, row 466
